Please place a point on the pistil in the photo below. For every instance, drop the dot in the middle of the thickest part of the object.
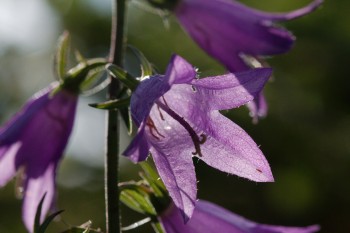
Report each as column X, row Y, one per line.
column 197, row 141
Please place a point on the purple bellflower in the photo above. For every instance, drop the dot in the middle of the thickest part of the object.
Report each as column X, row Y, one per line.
column 230, row 32
column 210, row 218
column 178, row 118
column 33, row 142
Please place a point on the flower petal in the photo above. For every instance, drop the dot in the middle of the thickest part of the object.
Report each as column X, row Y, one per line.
column 138, row 148
column 179, row 71
column 296, row 13
column 230, row 149
column 225, row 29
column 45, row 136
column 258, row 107
column 231, row 90
column 146, row 94
column 179, row 178
column 35, row 189
column 7, row 162
column 172, row 150
column 12, row 129
column 219, row 219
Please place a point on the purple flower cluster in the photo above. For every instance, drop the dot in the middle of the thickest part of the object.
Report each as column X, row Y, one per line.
column 178, row 114
column 178, row 118
column 33, row 142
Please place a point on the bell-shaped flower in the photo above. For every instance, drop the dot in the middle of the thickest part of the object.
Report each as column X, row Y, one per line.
column 230, row 32
column 210, row 218
column 178, row 118
column 32, row 142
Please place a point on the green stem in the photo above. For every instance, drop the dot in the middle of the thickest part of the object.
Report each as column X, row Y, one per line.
column 113, row 224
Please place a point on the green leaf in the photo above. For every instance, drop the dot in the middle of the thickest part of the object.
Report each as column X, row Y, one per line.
column 112, row 104
column 61, row 56
column 146, row 66
column 122, row 76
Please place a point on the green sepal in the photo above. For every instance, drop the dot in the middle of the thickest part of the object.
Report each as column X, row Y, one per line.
column 122, row 76
column 61, row 56
column 126, row 116
column 84, row 228
column 169, row 5
column 112, row 104
column 136, row 196
column 41, row 228
column 47, row 221
column 77, row 75
column 146, row 66
column 91, row 79
column 79, row 57
column 136, row 224
column 38, row 214
column 153, row 180
column 158, row 227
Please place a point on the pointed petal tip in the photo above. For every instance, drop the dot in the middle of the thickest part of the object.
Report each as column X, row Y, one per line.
column 314, row 5
column 187, row 214
column 313, row 228
column 262, row 176
column 267, row 72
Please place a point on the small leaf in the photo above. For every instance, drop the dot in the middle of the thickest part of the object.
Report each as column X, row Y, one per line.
column 122, row 76
column 61, row 56
column 112, row 104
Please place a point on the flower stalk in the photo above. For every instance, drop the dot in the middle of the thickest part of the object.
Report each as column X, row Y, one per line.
column 112, row 128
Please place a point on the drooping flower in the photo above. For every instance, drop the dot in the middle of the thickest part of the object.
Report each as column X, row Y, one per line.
column 210, row 218
column 178, row 118
column 33, row 142
column 230, row 31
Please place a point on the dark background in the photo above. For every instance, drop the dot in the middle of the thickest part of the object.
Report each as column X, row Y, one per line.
column 305, row 137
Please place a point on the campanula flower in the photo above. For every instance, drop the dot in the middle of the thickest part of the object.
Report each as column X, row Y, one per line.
column 178, row 118
column 210, row 218
column 33, row 142
column 230, row 32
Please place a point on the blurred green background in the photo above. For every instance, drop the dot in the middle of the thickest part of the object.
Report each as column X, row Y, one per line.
column 305, row 137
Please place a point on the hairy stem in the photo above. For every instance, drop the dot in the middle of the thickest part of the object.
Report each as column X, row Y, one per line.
column 113, row 224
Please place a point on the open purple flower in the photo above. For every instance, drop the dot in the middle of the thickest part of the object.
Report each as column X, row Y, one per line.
column 33, row 141
column 210, row 218
column 228, row 31
column 178, row 118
